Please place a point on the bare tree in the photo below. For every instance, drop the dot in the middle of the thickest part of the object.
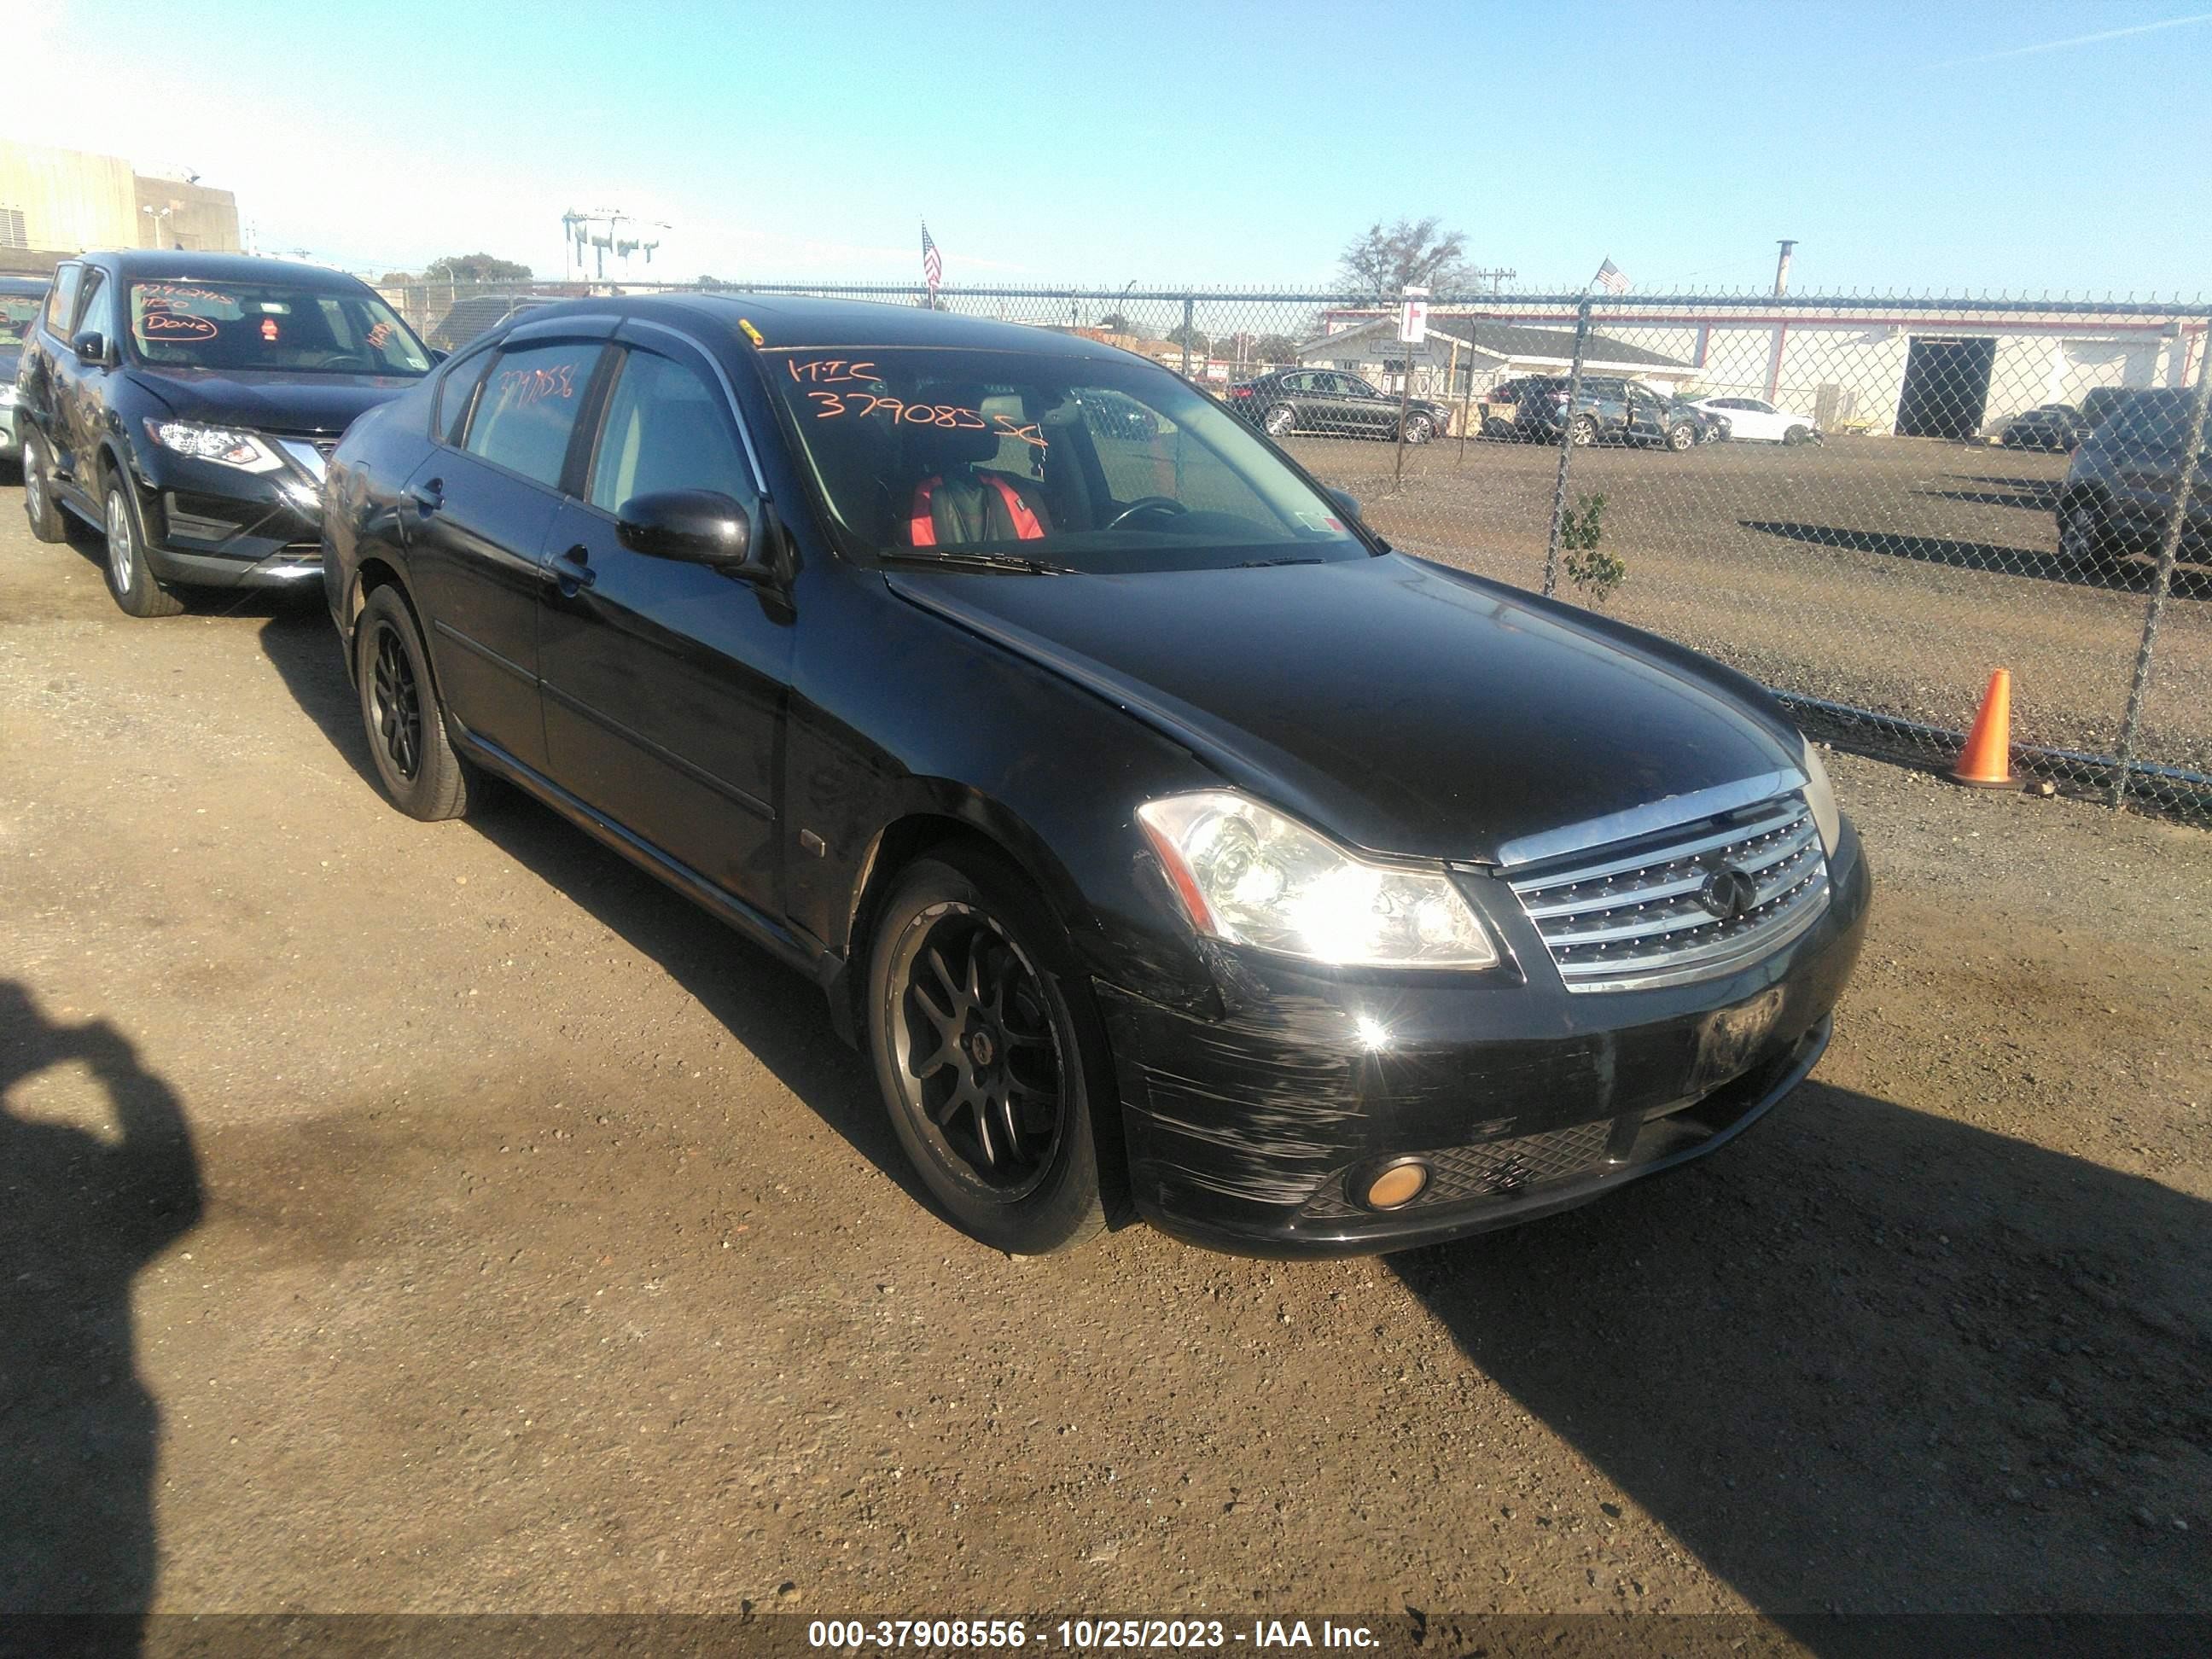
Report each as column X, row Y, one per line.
column 1384, row 260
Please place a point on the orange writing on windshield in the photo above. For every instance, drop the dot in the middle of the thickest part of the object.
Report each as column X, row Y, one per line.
column 956, row 417
column 526, row 387
column 818, row 370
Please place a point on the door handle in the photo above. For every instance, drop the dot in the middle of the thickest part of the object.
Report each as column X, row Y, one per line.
column 572, row 569
column 429, row 497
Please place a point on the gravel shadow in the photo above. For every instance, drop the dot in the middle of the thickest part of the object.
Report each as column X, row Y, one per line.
column 780, row 1017
column 81, row 1213
column 2004, row 1353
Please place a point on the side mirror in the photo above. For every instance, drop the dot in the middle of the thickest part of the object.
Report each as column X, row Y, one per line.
column 691, row 527
column 438, row 356
column 1347, row 501
column 91, row 346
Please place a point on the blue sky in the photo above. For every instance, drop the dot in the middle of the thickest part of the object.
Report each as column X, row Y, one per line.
column 1907, row 147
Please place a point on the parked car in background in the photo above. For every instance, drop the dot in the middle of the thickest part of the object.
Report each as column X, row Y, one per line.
column 1754, row 420
column 19, row 299
column 183, row 404
column 2124, row 484
column 1609, row 409
column 2056, row 427
column 1162, row 835
column 1332, row 404
column 2098, row 403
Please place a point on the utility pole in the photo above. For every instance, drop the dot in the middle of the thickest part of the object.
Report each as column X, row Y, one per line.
column 1497, row 277
column 1781, row 269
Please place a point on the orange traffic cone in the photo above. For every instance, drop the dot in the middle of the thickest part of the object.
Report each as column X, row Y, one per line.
column 1986, row 761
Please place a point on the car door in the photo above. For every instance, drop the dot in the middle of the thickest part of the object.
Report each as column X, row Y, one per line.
column 1758, row 420
column 1365, row 409
column 1647, row 416
column 664, row 682
column 53, row 377
column 475, row 518
column 80, row 387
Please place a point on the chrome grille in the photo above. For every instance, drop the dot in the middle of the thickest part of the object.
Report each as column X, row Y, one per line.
column 1625, row 920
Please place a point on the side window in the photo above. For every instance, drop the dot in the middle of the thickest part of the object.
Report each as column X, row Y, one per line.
column 454, row 394
column 528, row 408
column 665, row 428
column 1296, row 382
column 97, row 309
column 61, row 299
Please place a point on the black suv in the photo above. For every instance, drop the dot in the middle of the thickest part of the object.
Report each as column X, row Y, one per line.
column 2124, row 481
column 1610, row 407
column 20, row 298
column 185, row 404
column 1335, row 404
column 1162, row 835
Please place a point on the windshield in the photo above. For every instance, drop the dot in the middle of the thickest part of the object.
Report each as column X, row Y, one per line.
column 1092, row 465
column 17, row 312
column 275, row 325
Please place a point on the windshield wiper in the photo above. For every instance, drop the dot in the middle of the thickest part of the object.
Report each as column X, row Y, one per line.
column 1262, row 564
column 970, row 559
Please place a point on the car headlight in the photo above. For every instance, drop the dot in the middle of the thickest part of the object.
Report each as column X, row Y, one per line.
column 1249, row 876
column 8, row 395
column 1820, row 799
column 224, row 445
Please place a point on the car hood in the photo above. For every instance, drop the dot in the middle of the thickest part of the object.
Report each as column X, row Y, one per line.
column 1401, row 706
column 321, row 404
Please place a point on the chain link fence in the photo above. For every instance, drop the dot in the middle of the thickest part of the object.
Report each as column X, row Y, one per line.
column 1866, row 503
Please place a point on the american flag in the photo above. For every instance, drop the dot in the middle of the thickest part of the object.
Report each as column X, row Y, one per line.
column 933, row 263
column 1612, row 278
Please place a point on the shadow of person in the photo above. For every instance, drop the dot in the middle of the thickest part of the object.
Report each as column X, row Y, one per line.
column 1871, row 1360
column 80, row 1214
column 777, row 1015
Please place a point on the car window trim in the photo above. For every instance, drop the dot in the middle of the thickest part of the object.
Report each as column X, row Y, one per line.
column 729, row 394
column 623, row 349
column 559, row 486
column 439, row 424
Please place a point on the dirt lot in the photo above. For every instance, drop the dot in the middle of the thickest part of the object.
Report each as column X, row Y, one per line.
column 396, row 1217
column 1892, row 574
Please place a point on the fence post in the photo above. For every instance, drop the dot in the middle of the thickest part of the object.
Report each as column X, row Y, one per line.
column 1189, row 310
column 1566, row 447
column 2169, row 549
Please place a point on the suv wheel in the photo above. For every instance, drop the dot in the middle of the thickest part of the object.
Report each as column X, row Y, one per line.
column 40, row 505
column 990, row 1057
column 1682, row 437
column 130, row 578
column 406, row 724
column 1420, row 429
column 1278, row 421
column 1798, row 435
column 1582, row 431
column 2083, row 541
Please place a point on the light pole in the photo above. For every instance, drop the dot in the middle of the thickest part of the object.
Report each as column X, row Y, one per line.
column 157, row 215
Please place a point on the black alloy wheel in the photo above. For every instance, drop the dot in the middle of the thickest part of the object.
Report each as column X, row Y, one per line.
column 402, row 718
column 399, row 701
column 988, row 1053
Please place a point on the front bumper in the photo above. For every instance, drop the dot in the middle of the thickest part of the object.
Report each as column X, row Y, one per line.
column 1255, row 1132
column 253, row 532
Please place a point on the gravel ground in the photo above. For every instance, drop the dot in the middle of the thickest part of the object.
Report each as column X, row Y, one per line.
column 409, row 1218
column 1892, row 574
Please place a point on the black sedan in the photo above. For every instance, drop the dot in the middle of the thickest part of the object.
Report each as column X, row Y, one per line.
column 183, row 404
column 1167, row 840
column 2055, row 428
column 1335, row 404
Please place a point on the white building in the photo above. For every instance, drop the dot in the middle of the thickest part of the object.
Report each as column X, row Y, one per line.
column 1920, row 369
column 1464, row 356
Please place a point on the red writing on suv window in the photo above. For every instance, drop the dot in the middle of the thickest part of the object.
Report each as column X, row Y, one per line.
column 526, row 387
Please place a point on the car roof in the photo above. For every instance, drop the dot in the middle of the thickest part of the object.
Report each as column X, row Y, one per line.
column 178, row 265
column 782, row 320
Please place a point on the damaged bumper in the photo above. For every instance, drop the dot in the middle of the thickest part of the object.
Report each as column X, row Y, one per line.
column 1261, row 1131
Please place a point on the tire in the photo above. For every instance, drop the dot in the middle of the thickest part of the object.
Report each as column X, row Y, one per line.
column 2084, row 542
column 1681, row 438
column 402, row 717
column 40, row 505
column 130, row 578
column 1279, row 420
column 971, row 980
column 1420, row 429
column 1582, row 431
column 1798, row 435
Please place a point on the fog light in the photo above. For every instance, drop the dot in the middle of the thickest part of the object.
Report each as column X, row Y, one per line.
column 1397, row 1186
